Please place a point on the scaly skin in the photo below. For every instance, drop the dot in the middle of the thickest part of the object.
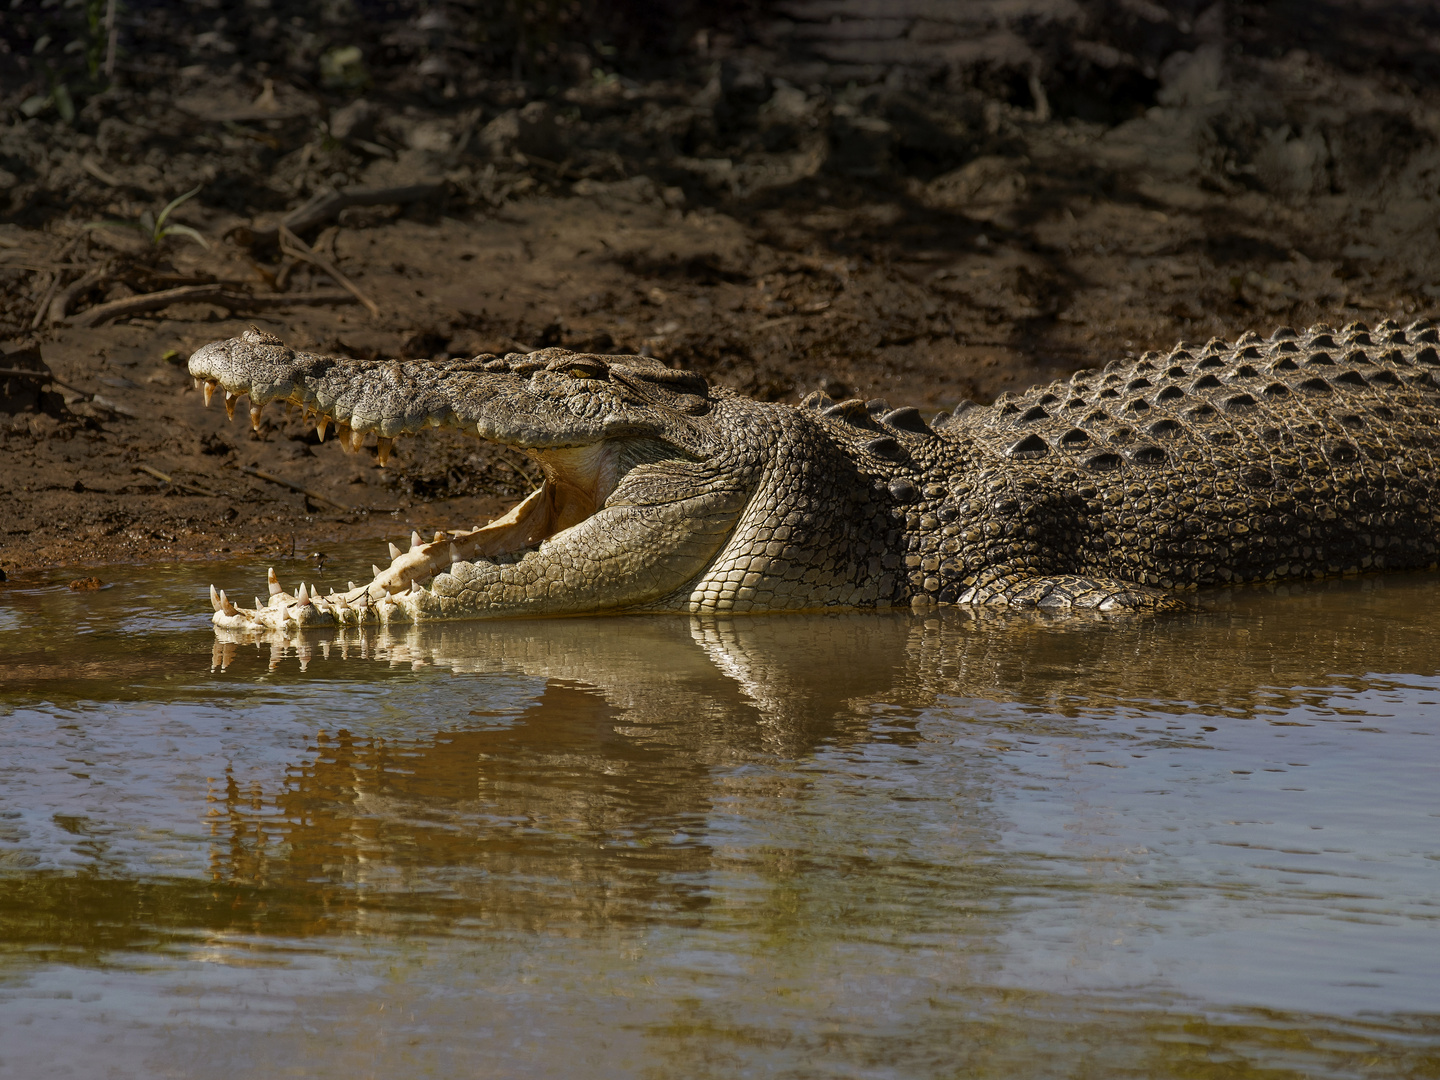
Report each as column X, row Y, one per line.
column 1301, row 456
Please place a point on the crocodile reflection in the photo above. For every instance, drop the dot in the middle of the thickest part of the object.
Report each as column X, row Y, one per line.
column 604, row 787
column 592, row 802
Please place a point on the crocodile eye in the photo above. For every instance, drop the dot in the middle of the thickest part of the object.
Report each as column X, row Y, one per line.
column 582, row 373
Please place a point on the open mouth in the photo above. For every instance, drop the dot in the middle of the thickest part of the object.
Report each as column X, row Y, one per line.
column 577, row 480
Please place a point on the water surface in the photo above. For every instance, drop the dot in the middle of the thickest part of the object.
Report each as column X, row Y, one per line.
column 802, row 846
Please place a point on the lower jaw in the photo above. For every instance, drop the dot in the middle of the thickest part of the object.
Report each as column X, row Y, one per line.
column 397, row 594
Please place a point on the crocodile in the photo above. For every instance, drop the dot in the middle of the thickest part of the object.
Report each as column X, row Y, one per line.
column 1302, row 455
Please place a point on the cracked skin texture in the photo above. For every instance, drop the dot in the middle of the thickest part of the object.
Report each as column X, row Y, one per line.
column 1304, row 455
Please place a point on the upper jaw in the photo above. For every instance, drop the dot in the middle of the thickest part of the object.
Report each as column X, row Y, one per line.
column 530, row 402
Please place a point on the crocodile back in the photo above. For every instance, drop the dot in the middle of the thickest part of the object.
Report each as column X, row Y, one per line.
column 1305, row 455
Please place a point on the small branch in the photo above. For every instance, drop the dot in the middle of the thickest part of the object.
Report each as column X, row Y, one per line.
column 216, row 293
column 176, row 483
column 325, row 207
column 310, row 494
column 60, row 306
column 44, row 305
column 40, row 376
column 297, row 488
column 296, row 248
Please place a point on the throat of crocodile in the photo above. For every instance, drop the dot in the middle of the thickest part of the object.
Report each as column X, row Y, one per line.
column 578, row 480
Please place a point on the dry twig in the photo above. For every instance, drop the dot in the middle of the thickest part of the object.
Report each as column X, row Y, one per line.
column 176, row 483
column 214, row 293
column 313, row 496
column 296, row 248
column 41, row 376
column 325, row 207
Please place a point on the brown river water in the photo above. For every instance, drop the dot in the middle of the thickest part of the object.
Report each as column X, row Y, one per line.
column 857, row 845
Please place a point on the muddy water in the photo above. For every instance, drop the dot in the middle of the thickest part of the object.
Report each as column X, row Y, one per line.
column 844, row 846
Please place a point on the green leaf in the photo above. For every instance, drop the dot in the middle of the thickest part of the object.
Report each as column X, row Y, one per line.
column 184, row 230
column 173, row 203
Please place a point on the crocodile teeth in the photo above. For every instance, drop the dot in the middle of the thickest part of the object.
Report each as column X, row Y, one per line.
column 375, row 571
column 196, row 380
column 258, row 603
column 226, row 606
column 230, row 400
column 320, row 425
column 342, row 435
column 382, row 449
column 275, row 589
column 302, row 597
column 350, row 586
column 394, row 552
column 255, row 411
column 210, row 387
column 415, row 541
column 416, row 587
column 214, row 598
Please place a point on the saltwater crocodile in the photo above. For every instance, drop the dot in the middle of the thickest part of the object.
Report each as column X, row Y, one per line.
column 1299, row 456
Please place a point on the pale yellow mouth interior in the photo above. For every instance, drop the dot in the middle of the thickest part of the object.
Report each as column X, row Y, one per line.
column 577, row 482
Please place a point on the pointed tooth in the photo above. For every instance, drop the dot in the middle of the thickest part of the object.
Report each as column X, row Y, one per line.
column 395, row 552
column 454, row 554
column 382, row 449
column 255, row 411
column 259, row 604
column 230, row 400
column 303, row 597
column 210, row 386
column 350, row 586
column 342, row 436
column 196, row 381
column 226, row 606
column 439, row 536
column 415, row 540
column 375, row 571
column 321, row 423
column 274, row 581
column 214, row 598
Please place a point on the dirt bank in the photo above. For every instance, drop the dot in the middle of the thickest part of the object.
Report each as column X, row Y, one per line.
column 878, row 230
